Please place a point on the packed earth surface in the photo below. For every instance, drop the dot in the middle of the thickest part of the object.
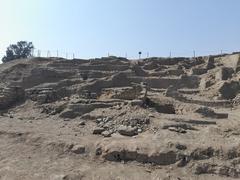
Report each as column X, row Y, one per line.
column 118, row 119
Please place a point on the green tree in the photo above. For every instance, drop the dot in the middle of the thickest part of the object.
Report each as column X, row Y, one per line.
column 22, row 49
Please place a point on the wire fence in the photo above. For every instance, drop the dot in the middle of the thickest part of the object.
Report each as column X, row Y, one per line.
column 54, row 53
column 131, row 56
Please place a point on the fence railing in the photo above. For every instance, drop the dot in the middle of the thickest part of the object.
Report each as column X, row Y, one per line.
column 144, row 54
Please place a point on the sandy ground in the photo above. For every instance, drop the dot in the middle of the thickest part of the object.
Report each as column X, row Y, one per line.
column 35, row 146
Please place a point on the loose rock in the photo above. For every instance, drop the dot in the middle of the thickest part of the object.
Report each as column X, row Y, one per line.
column 98, row 130
column 127, row 131
column 78, row 149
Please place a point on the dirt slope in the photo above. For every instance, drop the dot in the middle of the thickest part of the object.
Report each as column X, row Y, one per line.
column 112, row 118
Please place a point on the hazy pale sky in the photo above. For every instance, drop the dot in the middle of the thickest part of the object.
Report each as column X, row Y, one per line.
column 94, row 28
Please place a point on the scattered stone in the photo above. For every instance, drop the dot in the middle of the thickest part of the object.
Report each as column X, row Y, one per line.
column 98, row 151
column 98, row 130
column 122, row 118
column 178, row 126
column 180, row 146
column 184, row 160
column 119, row 107
column 78, row 149
column 178, row 130
column 151, row 116
column 98, row 120
column 82, row 123
column 107, row 126
column 106, row 134
column 127, row 131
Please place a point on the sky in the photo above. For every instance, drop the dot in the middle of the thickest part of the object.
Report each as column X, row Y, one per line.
column 96, row 28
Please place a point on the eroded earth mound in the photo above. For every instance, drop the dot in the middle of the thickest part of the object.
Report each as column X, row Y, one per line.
column 112, row 118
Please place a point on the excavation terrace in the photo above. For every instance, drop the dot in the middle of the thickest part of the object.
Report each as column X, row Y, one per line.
column 171, row 118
